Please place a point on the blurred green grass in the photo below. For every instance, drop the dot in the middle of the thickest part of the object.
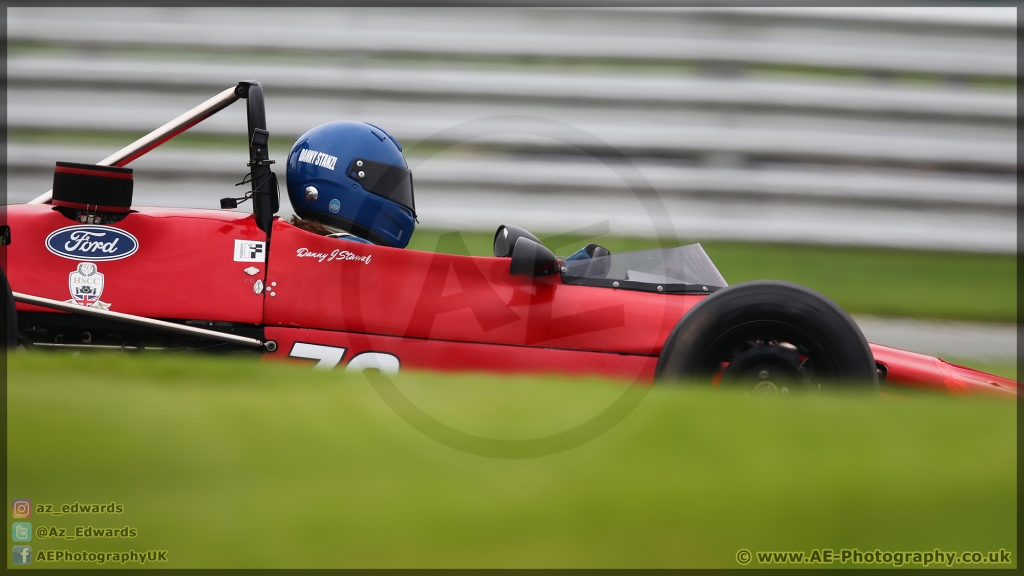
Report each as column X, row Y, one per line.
column 877, row 281
column 236, row 463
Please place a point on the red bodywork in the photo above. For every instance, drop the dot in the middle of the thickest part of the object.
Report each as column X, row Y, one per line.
column 346, row 304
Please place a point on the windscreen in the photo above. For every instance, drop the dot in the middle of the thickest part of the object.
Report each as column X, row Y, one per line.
column 684, row 265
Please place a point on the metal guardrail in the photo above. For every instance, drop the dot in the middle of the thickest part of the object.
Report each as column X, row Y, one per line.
column 552, row 88
column 856, row 140
column 803, row 183
column 982, row 48
column 637, row 131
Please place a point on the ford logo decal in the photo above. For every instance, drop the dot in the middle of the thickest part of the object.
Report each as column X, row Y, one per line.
column 92, row 243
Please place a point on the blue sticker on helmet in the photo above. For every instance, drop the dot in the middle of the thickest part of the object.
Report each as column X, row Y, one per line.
column 334, row 206
column 92, row 243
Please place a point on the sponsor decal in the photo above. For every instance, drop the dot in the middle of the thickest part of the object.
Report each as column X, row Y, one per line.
column 250, row 251
column 337, row 254
column 320, row 159
column 334, row 206
column 86, row 285
column 92, row 243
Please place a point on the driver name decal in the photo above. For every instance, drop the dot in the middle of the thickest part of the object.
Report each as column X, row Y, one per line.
column 92, row 243
column 336, row 254
column 321, row 159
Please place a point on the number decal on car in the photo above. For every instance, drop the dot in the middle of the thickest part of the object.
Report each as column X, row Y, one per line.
column 386, row 363
column 328, row 357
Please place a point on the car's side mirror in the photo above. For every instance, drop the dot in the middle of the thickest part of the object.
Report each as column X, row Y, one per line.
column 532, row 258
column 506, row 237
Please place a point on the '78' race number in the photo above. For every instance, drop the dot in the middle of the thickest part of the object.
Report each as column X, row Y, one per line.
column 330, row 356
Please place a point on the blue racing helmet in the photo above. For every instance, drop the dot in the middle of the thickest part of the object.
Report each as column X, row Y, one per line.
column 353, row 176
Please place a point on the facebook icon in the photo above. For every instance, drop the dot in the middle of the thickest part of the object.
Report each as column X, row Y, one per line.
column 22, row 555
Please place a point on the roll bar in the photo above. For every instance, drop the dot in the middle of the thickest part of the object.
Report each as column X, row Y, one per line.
column 264, row 181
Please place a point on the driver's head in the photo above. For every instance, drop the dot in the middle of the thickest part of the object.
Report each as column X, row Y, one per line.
column 353, row 176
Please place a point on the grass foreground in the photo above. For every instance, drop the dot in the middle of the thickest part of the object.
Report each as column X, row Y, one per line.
column 239, row 463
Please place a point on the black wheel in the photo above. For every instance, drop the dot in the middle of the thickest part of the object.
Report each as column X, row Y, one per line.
column 768, row 337
column 10, row 328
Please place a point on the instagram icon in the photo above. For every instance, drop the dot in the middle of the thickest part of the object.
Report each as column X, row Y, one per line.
column 21, row 509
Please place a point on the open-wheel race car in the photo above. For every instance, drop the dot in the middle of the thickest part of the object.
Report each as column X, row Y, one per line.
column 86, row 269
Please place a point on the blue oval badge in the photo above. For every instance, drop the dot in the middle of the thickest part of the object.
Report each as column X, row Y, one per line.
column 92, row 243
column 334, row 206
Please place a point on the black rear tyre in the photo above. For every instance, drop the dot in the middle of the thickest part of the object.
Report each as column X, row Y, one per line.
column 769, row 337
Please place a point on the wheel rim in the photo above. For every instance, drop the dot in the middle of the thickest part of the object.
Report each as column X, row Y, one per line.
column 769, row 358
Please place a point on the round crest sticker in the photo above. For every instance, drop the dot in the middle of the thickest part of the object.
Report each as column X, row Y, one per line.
column 86, row 285
column 334, row 206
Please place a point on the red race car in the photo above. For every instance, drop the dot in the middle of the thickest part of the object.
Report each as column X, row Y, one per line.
column 84, row 269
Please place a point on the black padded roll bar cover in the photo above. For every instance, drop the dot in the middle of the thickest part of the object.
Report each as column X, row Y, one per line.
column 92, row 187
column 242, row 88
column 252, row 92
column 264, row 205
column 260, row 137
column 275, row 193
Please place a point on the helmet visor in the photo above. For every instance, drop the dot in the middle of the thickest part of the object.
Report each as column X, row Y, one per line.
column 386, row 180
